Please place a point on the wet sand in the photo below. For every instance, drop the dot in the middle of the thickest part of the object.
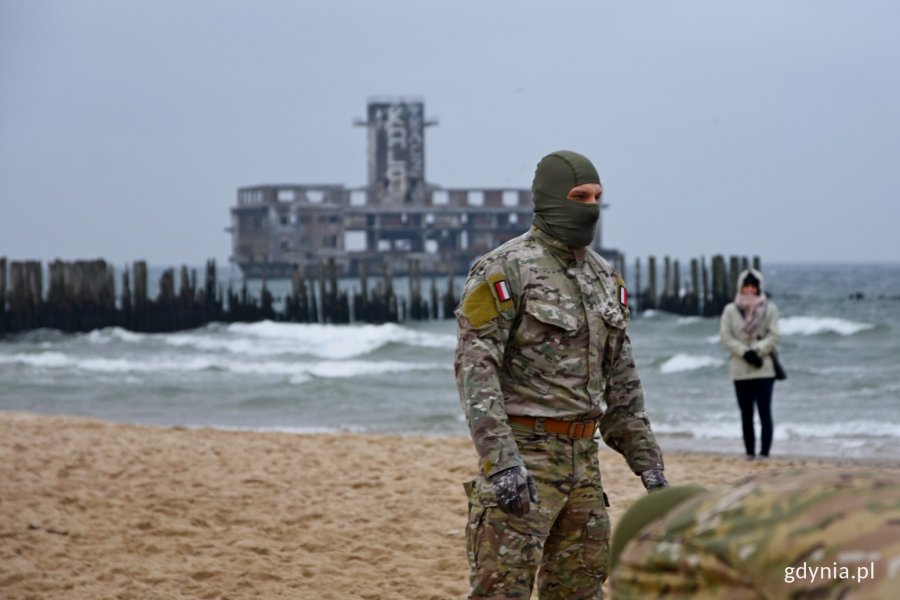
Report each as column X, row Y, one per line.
column 90, row 509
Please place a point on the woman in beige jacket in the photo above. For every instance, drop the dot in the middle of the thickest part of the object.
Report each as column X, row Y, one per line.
column 749, row 330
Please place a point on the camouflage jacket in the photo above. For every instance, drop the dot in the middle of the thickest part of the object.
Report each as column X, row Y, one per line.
column 542, row 334
column 831, row 533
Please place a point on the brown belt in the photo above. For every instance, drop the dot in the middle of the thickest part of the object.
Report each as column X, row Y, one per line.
column 574, row 429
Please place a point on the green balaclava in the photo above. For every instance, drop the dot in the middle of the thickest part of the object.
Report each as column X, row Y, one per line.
column 568, row 221
column 646, row 510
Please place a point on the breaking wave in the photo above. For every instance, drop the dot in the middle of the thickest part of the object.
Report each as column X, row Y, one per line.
column 296, row 370
column 689, row 362
column 819, row 325
column 268, row 338
column 848, row 431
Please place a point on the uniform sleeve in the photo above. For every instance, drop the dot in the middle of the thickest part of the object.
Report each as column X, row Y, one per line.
column 483, row 331
column 766, row 345
column 735, row 346
column 625, row 426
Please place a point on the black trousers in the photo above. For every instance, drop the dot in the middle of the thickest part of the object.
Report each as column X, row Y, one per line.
column 758, row 392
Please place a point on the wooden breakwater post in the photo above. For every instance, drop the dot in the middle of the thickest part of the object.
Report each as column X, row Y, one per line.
column 415, row 292
column 706, row 291
column 266, row 302
column 734, row 269
column 335, row 304
column 297, row 304
column 678, row 291
column 127, row 305
column 391, row 308
column 186, row 291
column 26, row 291
column 166, row 293
column 25, row 295
column 209, row 298
column 361, row 299
column 418, row 308
column 691, row 301
column 313, row 304
column 668, row 300
column 450, row 299
column 140, row 284
column 434, row 299
column 720, row 287
column 343, row 300
column 324, row 303
column 648, row 296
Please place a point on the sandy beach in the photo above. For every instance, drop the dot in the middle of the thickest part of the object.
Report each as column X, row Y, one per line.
column 90, row 509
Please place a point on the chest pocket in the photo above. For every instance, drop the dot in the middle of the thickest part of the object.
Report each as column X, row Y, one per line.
column 545, row 322
column 543, row 338
column 552, row 314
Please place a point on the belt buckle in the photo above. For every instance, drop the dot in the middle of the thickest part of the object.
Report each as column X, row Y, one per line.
column 576, row 430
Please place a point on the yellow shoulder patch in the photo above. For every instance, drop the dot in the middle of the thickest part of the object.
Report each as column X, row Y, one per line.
column 488, row 300
column 479, row 306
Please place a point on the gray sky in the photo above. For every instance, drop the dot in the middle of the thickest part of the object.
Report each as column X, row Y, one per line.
column 768, row 127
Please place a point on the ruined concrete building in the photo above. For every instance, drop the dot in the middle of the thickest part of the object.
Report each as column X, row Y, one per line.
column 397, row 216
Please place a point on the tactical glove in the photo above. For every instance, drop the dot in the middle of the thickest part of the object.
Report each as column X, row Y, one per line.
column 514, row 490
column 654, row 479
column 753, row 358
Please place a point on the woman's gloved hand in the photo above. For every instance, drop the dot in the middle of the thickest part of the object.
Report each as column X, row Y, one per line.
column 753, row 358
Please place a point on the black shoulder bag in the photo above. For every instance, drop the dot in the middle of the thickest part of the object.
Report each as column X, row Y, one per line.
column 780, row 373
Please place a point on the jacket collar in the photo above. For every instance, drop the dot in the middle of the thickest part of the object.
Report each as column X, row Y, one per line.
column 560, row 250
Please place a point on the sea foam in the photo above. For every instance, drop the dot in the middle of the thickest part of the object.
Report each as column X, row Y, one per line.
column 689, row 362
column 299, row 371
column 268, row 338
column 848, row 430
column 818, row 325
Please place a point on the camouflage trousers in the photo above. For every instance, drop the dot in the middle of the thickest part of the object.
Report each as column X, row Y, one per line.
column 563, row 541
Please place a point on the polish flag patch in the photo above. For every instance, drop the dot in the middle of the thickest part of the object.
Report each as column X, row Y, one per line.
column 502, row 290
column 623, row 295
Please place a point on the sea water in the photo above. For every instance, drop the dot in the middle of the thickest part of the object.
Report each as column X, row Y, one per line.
column 840, row 327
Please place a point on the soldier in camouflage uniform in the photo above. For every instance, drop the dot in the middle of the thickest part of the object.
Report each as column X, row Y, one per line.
column 789, row 534
column 542, row 362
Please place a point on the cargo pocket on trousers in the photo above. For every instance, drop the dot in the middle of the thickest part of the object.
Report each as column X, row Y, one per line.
column 595, row 544
column 481, row 497
column 474, row 534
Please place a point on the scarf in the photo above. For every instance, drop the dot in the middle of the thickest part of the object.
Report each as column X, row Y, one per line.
column 753, row 307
